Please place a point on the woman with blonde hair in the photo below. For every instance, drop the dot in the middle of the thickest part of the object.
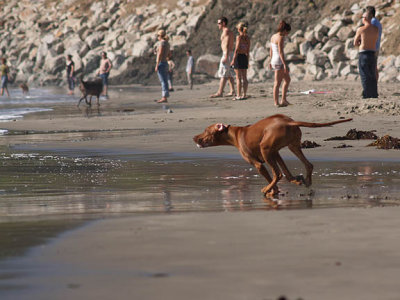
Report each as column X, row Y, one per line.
column 163, row 51
column 278, row 63
column 240, row 61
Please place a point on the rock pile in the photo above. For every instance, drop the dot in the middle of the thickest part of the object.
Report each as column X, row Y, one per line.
column 36, row 36
column 326, row 51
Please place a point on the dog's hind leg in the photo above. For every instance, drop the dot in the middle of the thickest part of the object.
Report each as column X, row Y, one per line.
column 79, row 102
column 296, row 149
column 287, row 173
column 90, row 101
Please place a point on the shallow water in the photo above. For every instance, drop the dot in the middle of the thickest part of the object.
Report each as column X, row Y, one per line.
column 39, row 184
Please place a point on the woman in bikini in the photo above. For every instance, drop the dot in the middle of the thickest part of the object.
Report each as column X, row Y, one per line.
column 240, row 61
column 278, row 63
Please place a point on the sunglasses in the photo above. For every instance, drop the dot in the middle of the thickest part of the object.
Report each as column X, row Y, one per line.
column 219, row 23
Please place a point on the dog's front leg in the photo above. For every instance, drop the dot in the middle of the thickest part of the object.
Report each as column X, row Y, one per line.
column 264, row 172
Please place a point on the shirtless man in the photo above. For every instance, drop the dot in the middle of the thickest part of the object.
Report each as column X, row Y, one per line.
column 104, row 72
column 365, row 38
column 225, row 72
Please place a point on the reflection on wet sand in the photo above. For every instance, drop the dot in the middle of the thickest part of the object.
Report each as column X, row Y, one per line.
column 48, row 188
column 35, row 184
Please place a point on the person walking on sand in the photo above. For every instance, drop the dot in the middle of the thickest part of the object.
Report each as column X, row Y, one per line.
column 377, row 24
column 366, row 38
column 163, row 51
column 104, row 72
column 225, row 72
column 240, row 61
column 171, row 67
column 5, row 77
column 190, row 68
column 278, row 63
column 70, row 74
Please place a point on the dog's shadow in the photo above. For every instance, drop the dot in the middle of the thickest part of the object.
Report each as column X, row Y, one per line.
column 90, row 111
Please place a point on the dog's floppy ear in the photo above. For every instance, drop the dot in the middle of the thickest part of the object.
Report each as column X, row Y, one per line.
column 221, row 127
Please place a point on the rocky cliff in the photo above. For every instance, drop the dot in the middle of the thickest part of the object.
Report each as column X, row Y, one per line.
column 36, row 36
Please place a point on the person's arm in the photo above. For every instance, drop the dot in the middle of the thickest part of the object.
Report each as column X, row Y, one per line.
column 71, row 74
column 225, row 45
column 109, row 65
column 270, row 55
column 281, row 46
column 248, row 46
column 236, row 50
column 357, row 38
column 160, row 52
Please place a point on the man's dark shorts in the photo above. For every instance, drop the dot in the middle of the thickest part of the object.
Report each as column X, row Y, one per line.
column 104, row 77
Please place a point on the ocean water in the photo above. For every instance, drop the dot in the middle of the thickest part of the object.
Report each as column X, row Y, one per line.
column 37, row 100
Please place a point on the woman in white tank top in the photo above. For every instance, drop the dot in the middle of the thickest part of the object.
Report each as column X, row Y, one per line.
column 278, row 63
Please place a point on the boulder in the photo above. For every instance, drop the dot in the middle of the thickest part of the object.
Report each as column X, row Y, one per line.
column 54, row 64
column 94, row 39
column 208, row 64
column 48, row 39
column 347, row 70
column 140, row 47
column 305, row 47
column 335, row 28
column 41, row 54
column 344, row 33
column 317, row 57
column 330, row 44
column 260, row 54
column 91, row 61
column 337, row 53
column 387, row 62
column 290, row 48
column 339, row 67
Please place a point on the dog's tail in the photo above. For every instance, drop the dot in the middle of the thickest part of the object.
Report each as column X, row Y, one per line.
column 307, row 124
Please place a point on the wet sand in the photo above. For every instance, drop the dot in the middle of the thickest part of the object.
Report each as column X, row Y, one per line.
column 196, row 250
column 302, row 254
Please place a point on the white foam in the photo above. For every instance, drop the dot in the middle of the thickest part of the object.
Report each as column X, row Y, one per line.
column 17, row 113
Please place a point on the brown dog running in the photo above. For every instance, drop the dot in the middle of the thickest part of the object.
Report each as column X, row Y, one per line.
column 260, row 143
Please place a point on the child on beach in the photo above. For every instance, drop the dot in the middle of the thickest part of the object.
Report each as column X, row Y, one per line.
column 190, row 68
column 5, row 76
column 171, row 67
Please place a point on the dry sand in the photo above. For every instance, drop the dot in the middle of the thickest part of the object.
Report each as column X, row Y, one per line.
column 309, row 254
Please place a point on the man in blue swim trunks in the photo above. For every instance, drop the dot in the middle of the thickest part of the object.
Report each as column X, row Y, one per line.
column 104, row 71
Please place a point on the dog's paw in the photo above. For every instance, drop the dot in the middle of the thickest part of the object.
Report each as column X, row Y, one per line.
column 298, row 180
column 270, row 191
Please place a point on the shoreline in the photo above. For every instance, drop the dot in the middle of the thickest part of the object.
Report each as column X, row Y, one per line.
column 112, row 244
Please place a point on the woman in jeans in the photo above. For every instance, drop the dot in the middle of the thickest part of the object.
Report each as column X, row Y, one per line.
column 162, row 64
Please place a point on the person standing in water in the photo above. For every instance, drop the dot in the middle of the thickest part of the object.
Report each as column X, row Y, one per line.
column 104, row 72
column 278, row 63
column 240, row 61
column 70, row 74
